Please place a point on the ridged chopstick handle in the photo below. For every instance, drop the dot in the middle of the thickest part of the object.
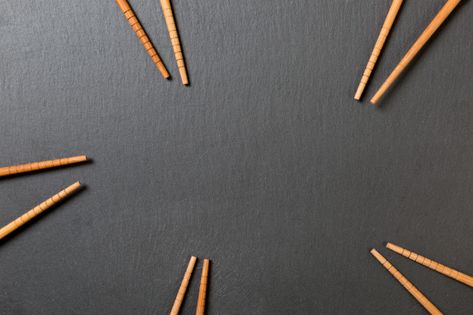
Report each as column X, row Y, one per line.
column 378, row 47
column 421, row 298
column 31, row 167
column 447, row 271
column 138, row 29
column 175, row 42
column 203, row 288
column 12, row 226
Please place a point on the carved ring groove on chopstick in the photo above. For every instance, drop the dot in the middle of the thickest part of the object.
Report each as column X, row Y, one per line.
column 419, row 296
column 15, row 224
column 378, row 47
column 139, row 31
column 175, row 41
column 432, row 264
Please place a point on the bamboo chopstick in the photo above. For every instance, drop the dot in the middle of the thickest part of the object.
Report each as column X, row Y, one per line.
column 421, row 298
column 136, row 26
column 183, row 288
column 12, row 226
column 414, row 50
column 447, row 271
column 203, row 288
column 30, row 167
column 175, row 42
column 378, row 47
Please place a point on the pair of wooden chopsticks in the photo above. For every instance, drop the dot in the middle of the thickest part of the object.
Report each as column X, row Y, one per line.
column 173, row 34
column 421, row 298
column 410, row 55
column 185, row 282
column 31, row 167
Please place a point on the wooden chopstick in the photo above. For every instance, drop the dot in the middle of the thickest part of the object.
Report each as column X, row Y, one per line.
column 203, row 288
column 421, row 298
column 136, row 26
column 12, row 226
column 378, row 47
column 414, row 50
column 447, row 271
column 175, row 42
column 31, row 167
column 183, row 288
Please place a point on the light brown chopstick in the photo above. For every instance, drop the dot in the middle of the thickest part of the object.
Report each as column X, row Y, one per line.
column 12, row 226
column 183, row 288
column 175, row 42
column 421, row 298
column 447, row 271
column 203, row 288
column 138, row 29
column 378, row 47
column 35, row 166
column 414, row 50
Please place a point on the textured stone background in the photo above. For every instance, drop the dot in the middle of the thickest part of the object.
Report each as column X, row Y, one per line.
column 265, row 164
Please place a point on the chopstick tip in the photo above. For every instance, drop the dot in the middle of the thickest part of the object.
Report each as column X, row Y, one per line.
column 358, row 93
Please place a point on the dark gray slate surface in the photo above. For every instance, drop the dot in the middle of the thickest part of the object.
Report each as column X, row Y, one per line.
column 265, row 164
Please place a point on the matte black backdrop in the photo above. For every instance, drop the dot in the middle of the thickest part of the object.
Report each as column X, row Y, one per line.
column 265, row 164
